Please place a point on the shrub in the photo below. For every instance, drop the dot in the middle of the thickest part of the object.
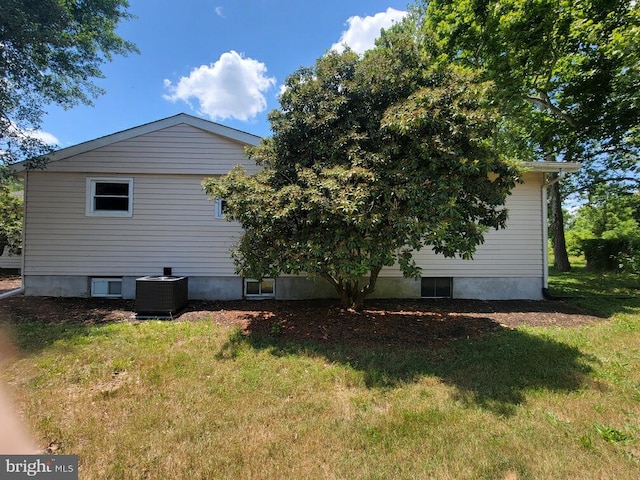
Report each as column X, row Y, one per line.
column 604, row 254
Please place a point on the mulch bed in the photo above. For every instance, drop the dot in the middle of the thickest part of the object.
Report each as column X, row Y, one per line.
column 380, row 323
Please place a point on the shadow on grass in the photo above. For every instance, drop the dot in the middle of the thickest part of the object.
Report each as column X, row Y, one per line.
column 32, row 337
column 490, row 366
column 34, row 323
column 390, row 343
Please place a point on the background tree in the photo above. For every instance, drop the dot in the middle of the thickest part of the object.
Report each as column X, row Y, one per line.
column 610, row 213
column 10, row 216
column 567, row 74
column 610, row 225
column 371, row 158
column 50, row 52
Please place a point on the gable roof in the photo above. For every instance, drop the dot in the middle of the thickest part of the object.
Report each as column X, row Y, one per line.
column 181, row 118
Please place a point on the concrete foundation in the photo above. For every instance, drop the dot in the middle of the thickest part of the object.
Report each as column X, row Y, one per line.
column 300, row 288
column 215, row 288
column 396, row 287
column 200, row 288
column 507, row 288
column 297, row 288
column 56, row 285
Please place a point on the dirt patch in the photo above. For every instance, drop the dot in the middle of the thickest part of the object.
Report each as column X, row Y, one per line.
column 382, row 322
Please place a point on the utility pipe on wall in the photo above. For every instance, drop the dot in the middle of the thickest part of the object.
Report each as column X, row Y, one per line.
column 545, row 232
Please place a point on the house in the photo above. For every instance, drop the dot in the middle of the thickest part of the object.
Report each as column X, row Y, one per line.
column 111, row 210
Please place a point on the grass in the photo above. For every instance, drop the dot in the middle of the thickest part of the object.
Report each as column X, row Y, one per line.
column 200, row 401
column 605, row 293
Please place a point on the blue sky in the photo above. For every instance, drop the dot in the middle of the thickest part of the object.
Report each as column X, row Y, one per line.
column 221, row 60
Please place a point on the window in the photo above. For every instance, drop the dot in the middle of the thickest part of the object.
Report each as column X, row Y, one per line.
column 259, row 288
column 220, row 205
column 106, row 287
column 435, row 287
column 110, row 197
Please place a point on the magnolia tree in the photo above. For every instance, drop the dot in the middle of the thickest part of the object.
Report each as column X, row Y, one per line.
column 371, row 158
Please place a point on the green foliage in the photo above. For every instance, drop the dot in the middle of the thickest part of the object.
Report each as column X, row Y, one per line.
column 50, row 51
column 607, row 230
column 567, row 71
column 567, row 77
column 610, row 434
column 371, row 158
column 611, row 253
column 10, row 218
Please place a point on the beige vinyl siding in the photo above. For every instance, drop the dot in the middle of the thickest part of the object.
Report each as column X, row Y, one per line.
column 181, row 149
column 513, row 252
column 173, row 225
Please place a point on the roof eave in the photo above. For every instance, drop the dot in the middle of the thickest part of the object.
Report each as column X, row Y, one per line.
column 550, row 167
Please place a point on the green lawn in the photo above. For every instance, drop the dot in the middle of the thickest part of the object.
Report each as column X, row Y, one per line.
column 195, row 400
column 605, row 293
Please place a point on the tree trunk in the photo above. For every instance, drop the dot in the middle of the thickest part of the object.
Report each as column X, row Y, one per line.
column 351, row 295
column 561, row 258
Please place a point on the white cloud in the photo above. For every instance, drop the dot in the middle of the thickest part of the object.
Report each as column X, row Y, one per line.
column 232, row 87
column 363, row 31
column 219, row 12
column 46, row 137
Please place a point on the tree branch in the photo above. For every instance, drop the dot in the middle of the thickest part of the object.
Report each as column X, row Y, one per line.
column 373, row 278
column 331, row 280
column 605, row 180
column 544, row 101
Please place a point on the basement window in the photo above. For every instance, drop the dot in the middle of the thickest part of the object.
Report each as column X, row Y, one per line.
column 265, row 288
column 110, row 197
column 435, row 287
column 106, row 287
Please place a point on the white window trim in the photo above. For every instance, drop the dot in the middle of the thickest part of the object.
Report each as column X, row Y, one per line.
column 259, row 295
column 91, row 190
column 94, row 280
column 218, row 211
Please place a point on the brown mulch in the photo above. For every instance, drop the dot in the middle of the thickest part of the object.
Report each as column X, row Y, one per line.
column 380, row 323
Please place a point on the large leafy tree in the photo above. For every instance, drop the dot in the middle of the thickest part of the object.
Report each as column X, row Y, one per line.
column 371, row 158
column 50, row 52
column 567, row 75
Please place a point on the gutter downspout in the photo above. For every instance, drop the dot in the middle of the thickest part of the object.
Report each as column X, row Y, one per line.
column 545, row 234
column 11, row 293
